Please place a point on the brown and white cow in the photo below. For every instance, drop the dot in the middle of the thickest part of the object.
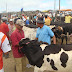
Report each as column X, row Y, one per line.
column 53, row 58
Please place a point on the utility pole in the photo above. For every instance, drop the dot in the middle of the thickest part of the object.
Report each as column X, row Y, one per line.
column 6, row 7
column 59, row 4
column 54, row 5
column 6, row 10
column 59, row 10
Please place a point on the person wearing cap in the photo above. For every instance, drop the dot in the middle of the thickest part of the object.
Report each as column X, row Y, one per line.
column 4, row 27
column 16, row 36
column 10, row 26
column 44, row 33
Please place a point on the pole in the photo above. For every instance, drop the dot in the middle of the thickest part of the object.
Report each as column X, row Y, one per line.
column 6, row 7
column 54, row 5
column 6, row 10
column 59, row 4
column 59, row 10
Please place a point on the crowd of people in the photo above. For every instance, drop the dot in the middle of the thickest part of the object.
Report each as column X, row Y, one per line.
column 11, row 33
column 64, row 17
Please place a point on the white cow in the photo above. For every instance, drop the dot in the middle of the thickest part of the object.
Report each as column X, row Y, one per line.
column 30, row 32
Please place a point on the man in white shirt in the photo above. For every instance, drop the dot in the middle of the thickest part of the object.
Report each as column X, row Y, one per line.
column 4, row 47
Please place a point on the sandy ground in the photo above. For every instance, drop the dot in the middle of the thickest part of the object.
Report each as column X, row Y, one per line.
column 9, row 64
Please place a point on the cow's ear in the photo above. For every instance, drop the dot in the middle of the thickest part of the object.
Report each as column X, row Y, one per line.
column 22, row 44
column 27, row 39
column 24, row 41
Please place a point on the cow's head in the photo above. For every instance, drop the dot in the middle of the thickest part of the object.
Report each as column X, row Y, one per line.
column 24, row 41
column 32, row 49
column 57, row 31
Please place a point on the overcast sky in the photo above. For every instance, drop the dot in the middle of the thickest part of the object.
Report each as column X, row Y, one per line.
column 16, row 5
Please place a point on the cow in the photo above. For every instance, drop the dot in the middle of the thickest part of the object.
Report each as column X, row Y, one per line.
column 30, row 31
column 44, row 57
column 61, row 31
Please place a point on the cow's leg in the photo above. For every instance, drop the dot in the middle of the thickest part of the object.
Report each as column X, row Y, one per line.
column 66, row 39
column 62, row 40
column 36, row 69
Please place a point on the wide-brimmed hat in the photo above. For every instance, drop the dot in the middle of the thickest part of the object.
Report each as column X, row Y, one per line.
column 20, row 22
column 40, row 20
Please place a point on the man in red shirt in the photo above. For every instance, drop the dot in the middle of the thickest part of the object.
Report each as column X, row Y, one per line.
column 16, row 36
column 4, row 27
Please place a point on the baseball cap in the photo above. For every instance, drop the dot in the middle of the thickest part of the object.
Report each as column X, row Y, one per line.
column 40, row 20
column 11, row 19
column 20, row 22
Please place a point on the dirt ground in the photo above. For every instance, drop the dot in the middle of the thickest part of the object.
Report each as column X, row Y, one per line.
column 9, row 64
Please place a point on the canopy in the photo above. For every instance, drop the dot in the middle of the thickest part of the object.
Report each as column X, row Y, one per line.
column 65, row 10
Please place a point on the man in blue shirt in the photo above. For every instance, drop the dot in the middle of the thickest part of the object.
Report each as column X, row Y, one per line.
column 44, row 33
column 27, row 22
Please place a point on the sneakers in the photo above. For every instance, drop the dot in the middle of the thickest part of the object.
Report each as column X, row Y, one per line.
column 28, row 65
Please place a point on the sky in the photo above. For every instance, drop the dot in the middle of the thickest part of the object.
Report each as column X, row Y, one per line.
column 31, row 5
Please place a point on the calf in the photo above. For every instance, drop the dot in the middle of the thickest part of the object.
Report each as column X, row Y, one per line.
column 47, row 58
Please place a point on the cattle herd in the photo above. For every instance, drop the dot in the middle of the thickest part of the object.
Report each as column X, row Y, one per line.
column 50, row 58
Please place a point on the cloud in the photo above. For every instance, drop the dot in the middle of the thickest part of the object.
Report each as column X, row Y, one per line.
column 69, row 2
column 16, row 5
column 46, row 5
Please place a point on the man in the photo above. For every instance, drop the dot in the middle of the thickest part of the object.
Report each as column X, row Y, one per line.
column 4, row 47
column 27, row 21
column 10, row 26
column 4, row 27
column 44, row 33
column 68, row 18
column 47, row 20
column 23, row 17
column 16, row 36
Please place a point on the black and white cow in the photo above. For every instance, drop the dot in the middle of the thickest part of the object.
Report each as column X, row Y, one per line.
column 47, row 58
